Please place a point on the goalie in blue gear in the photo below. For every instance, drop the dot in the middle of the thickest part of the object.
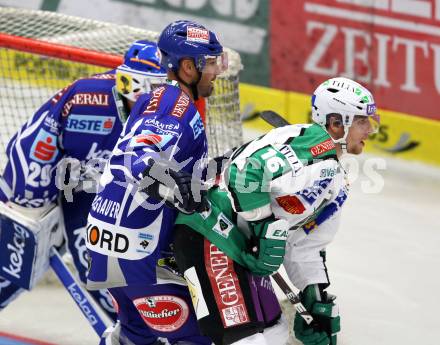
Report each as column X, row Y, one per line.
column 130, row 223
column 70, row 138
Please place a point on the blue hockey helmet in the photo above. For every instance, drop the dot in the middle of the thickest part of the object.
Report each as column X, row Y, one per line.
column 141, row 70
column 185, row 39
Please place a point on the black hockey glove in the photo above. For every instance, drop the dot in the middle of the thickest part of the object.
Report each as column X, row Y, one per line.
column 325, row 313
column 176, row 188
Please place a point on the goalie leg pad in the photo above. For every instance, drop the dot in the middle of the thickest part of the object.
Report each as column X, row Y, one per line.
column 8, row 292
column 25, row 244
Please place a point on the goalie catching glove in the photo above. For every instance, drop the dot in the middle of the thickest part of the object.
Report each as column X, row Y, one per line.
column 176, row 188
column 325, row 313
column 268, row 237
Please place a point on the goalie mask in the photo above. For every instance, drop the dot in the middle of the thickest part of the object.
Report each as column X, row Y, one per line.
column 141, row 71
column 347, row 98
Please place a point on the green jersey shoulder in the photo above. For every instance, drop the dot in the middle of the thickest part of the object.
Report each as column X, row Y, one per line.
column 282, row 151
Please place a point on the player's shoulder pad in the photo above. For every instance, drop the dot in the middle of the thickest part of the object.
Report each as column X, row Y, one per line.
column 169, row 101
column 313, row 144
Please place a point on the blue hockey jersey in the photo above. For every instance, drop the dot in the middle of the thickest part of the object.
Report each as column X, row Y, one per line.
column 127, row 230
column 81, row 122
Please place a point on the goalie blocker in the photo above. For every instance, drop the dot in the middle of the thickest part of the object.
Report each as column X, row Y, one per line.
column 25, row 243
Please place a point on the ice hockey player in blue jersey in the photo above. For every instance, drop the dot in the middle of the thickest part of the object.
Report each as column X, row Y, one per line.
column 65, row 145
column 130, row 224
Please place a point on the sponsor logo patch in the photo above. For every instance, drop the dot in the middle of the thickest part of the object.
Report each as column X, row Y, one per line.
column 81, row 300
column 93, row 124
column 182, row 104
column 291, row 204
column 328, row 172
column 197, row 125
column 60, row 94
column 311, row 194
column 91, row 99
column 52, row 125
column 163, row 128
column 148, row 138
column 164, row 313
column 226, row 288
column 323, row 147
column 17, row 253
column 120, row 242
column 197, row 34
column 105, row 207
column 112, row 241
column 154, row 101
column 223, row 226
column 292, row 158
column 44, row 149
column 371, row 109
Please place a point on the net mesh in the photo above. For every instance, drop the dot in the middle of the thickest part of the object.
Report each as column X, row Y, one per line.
column 28, row 80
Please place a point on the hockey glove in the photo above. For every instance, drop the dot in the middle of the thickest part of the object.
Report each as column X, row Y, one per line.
column 187, row 195
column 268, row 239
column 325, row 313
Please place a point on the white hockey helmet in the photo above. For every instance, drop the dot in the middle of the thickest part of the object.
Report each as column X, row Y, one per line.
column 345, row 97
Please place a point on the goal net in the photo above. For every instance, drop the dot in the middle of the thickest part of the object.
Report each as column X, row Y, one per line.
column 42, row 52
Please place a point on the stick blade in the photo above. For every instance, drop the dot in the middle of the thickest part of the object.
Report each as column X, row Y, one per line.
column 274, row 119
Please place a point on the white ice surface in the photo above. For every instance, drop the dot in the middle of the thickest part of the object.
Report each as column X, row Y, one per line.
column 384, row 267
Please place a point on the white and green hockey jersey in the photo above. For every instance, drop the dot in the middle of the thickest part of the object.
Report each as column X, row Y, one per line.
column 293, row 172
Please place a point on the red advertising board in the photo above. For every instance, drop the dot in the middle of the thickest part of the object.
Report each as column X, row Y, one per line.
column 391, row 46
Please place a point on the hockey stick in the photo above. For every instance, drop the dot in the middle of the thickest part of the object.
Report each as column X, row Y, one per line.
column 79, row 294
column 167, row 193
column 274, row 119
column 292, row 297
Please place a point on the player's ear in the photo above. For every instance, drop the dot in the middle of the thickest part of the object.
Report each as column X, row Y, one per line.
column 187, row 67
column 334, row 126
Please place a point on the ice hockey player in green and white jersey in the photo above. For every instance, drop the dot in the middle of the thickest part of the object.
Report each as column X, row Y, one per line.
column 285, row 187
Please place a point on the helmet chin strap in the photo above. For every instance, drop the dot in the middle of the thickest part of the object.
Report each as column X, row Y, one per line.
column 193, row 85
column 342, row 141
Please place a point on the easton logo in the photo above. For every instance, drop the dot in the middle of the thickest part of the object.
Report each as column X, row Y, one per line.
column 312, row 193
column 323, row 147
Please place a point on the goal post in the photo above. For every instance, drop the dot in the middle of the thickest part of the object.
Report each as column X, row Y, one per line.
column 42, row 52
